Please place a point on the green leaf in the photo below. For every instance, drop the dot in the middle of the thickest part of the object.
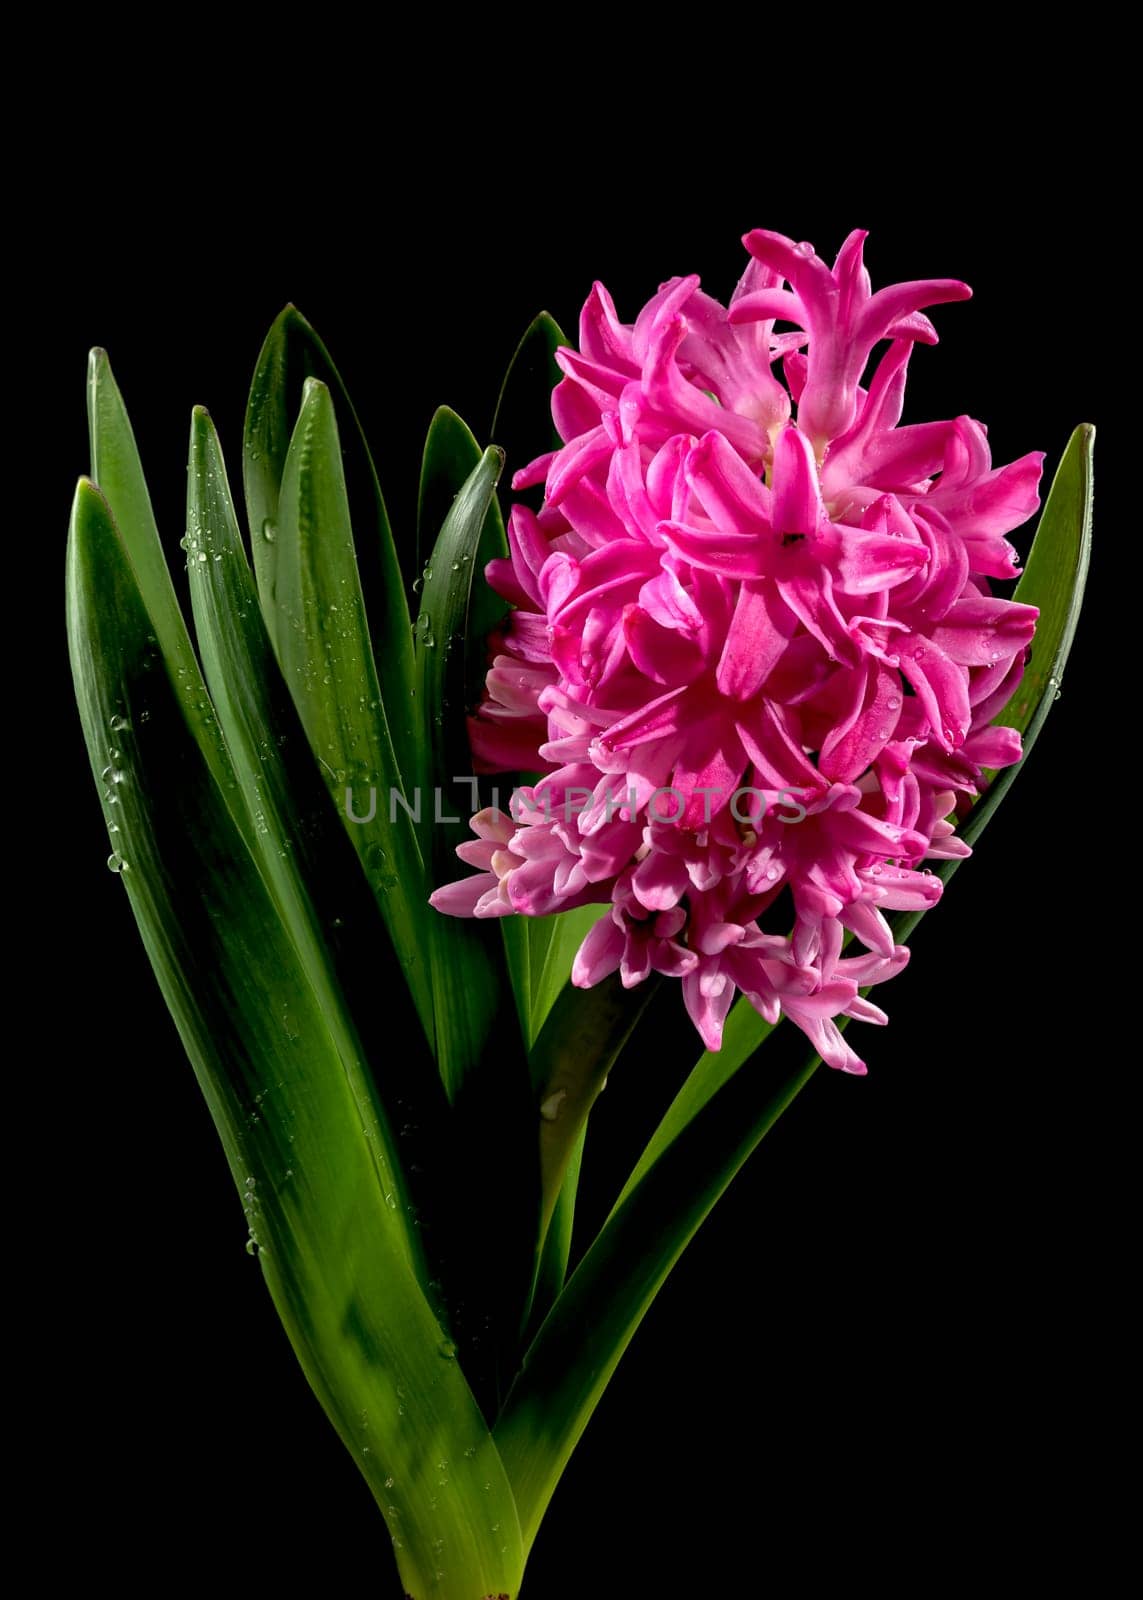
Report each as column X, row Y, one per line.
column 540, row 949
column 1053, row 580
column 292, row 354
column 451, row 456
column 522, row 422
column 301, row 845
column 327, row 661
column 571, row 1359
column 480, row 1051
column 540, row 953
column 721, row 1114
column 575, row 1051
column 334, row 1251
column 551, row 1272
column 745, row 1032
column 116, row 468
column 552, row 958
column 466, row 958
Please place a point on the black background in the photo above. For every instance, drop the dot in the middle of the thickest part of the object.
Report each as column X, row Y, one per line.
column 885, row 1356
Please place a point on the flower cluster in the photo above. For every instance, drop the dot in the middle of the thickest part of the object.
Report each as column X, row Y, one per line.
column 753, row 648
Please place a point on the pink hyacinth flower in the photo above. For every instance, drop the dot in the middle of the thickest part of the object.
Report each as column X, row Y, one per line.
column 752, row 645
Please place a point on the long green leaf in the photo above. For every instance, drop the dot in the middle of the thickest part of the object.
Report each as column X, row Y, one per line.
column 540, row 955
column 319, row 1217
column 479, row 1046
column 466, row 961
column 116, row 468
column 555, row 1252
column 522, row 425
column 576, row 1049
column 451, row 456
column 550, row 977
column 292, row 354
column 327, row 661
column 720, row 1115
column 522, row 422
column 1053, row 579
column 301, row 845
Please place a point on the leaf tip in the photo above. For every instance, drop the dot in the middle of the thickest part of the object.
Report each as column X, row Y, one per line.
column 87, row 491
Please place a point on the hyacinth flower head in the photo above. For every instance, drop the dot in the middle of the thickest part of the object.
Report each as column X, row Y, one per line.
column 752, row 650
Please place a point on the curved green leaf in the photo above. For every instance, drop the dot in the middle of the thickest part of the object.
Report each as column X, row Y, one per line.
column 292, row 354
column 522, row 421
column 116, row 468
column 301, row 846
column 327, row 661
column 451, row 456
column 480, row 1052
column 465, row 957
column 319, row 1216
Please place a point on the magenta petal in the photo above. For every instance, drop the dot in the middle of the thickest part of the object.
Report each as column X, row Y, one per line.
column 854, row 744
column 730, row 555
column 599, row 954
column 663, row 654
column 758, row 634
column 459, row 899
column 940, row 687
column 659, row 881
column 708, row 1011
column 732, row 496
column 797, row 502
column 664, row 598
column 979, row 631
